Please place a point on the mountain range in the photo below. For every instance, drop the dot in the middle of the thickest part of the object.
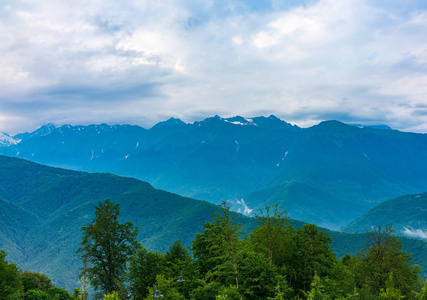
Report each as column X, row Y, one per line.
column 43, row 208
column 328, row 174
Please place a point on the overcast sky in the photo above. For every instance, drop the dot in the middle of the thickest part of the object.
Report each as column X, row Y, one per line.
column 140, row 62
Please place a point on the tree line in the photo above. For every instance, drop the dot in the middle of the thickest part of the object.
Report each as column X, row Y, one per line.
column 274, row 261
column 18, row 285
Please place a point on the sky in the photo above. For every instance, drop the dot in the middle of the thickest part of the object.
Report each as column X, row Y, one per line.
column 140, row 62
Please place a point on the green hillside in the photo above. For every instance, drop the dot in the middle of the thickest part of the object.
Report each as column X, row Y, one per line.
column 407, row 215
column 42, row 210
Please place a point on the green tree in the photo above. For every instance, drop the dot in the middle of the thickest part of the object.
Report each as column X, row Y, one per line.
column 340, row 283
column 317, row 291
column 280, row 293
column 205, row 291
column 268, row 236
column 217, row 248
column 59, row 294
column 107, row 246
column 36, row 281
column 112, row 296
column 229, row 293
column 143, row 270
column 259, row 277
column 177, row 259
column 390, row 292
column 77, row 293
column 10, row 282
column 383, row 256
column 166, row 287
column 423, row 294
column 37, row 295
column 312, row 254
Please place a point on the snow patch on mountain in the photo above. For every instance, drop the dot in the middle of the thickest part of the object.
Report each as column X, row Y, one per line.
column 283, row 158
column 6, row 140
column 239, row 121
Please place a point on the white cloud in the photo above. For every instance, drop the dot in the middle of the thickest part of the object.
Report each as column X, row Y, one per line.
column 415, row 233
column 210, row 57
column 243, row 207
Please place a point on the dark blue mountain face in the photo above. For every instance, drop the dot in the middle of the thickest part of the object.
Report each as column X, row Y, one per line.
column 328, row 174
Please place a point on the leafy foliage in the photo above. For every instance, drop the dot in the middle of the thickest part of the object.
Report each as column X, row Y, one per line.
column 10, row 281
column 230, row 266
column 384, row 261
column 242, row 267
column 17, row 285
column 107, row 245
column 112, row 296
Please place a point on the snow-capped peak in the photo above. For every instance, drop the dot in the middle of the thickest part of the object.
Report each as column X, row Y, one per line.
column 238, row 120
column 7, row 140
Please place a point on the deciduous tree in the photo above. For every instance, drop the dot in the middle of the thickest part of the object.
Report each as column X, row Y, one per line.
column 271, row 233
column 217, row 248
column 383, row 256
column 107, row 246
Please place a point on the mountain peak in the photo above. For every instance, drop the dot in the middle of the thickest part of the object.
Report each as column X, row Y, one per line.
column 332, row 124
column 7, row 140
column 238, row 120
column 171, row 122
column 272, row 122
column 42, row 131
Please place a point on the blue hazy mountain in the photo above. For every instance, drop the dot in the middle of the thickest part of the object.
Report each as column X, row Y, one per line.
column 329, row 174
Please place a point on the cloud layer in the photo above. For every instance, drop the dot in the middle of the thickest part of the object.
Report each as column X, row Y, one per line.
column 140, row 62
column 415, row 233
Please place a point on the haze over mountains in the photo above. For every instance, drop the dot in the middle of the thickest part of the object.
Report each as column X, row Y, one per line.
column 327, row 174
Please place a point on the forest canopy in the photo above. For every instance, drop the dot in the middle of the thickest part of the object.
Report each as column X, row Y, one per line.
column 274, row 261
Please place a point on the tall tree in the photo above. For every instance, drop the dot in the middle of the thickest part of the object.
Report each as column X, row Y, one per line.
column 217, row 249
column 107, row 246
column 312, row 255
column 177, row 259
column 271, row 233
column 143, row 270
column 382, row 257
